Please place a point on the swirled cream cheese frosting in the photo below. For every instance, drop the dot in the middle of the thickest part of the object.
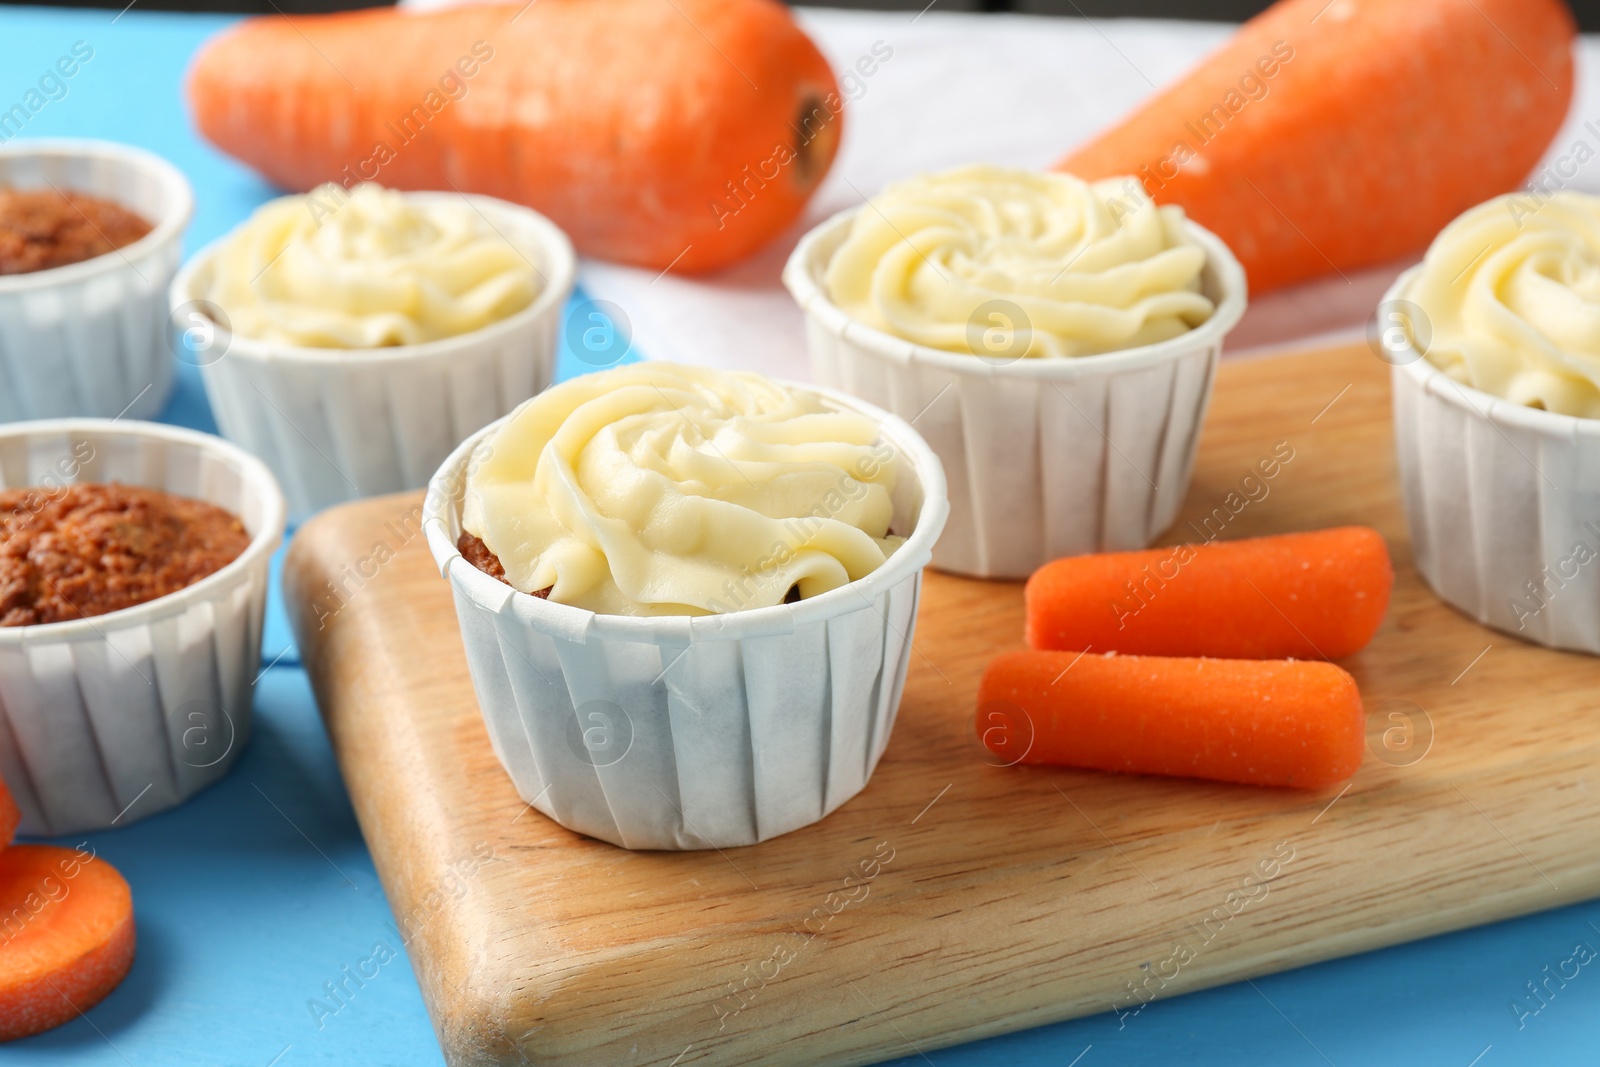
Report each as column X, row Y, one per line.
column 1510, row 301
column 369, row 268
column 949, row 260
column 658, row 489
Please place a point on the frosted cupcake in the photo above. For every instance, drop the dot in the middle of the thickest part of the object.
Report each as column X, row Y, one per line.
column 1496, row 355
column 1054, row 339
column 353, row 338
column 687, row 597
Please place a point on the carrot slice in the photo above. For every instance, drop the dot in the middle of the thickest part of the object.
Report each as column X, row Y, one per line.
column 66, row 935
column 10, row 815
column 1327, row 135
column 1260, row 722
column 1316, row 595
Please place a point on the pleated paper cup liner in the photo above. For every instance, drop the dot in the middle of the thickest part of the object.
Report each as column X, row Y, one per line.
column 340, row 424
column 90, row 338
column 705, row 732
column 1503, row 500
column 112, row 718
column 1045, row 457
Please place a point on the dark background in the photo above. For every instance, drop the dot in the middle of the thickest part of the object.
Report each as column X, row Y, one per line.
column 1588, row 11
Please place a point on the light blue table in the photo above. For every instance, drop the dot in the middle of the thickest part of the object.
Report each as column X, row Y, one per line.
column 261, row 890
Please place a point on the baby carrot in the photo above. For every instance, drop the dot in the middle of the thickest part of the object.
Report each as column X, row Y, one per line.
column 1316, row 595
column 66, row 935
column 1271, row 722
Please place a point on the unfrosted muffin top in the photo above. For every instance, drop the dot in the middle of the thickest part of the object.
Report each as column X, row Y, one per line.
column 78, row 551
column 45, row 228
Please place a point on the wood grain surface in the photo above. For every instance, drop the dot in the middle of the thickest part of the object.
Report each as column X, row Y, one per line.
column 954, row 899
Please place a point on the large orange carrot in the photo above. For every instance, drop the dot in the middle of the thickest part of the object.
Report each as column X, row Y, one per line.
column 66, row 935
column 680, row 133
column 1332, row 134
column 1317, row 595
column 1261, row 722
column 9, row 816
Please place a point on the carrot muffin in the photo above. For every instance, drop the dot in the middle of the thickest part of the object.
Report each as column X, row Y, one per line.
column 89, row 549
column 944, row 260
column 667, row 694
column 1495, row 363
column 368, row 268
column 45, row 228
column 1053, row 339
column 658, row 489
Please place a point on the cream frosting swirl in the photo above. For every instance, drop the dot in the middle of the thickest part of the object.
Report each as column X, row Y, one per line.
column 1510, row 292
column 657, row 489
column 945, row 260
column 369, row 268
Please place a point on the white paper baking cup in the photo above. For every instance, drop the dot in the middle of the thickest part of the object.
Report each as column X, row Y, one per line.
column 106, row 720
column 684, row 733
column 90, row 338
column 1046, row 457
column 1503, row 501
column 337, row 424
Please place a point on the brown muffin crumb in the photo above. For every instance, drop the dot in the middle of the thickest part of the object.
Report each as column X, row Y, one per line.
column 41, row 229
column 475, row 552
column 77, row 551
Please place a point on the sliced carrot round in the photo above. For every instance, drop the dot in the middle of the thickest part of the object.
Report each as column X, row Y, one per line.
column 66, row 935
column 10, row 815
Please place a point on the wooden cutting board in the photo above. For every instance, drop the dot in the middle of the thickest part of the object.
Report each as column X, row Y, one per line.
column 954, row 899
